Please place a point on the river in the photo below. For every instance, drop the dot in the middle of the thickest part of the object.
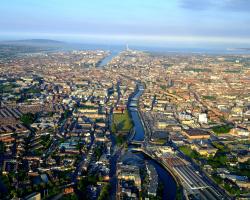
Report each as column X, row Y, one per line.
column 133, row 103
column 169, row 192
column 108, row 58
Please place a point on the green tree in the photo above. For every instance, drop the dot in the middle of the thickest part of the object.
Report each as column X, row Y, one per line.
column 72, row 196
column 222, row 129
column 27, row 119
column 105, row 192
column 2, row 147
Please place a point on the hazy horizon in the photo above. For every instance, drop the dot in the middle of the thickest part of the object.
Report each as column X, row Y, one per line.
column 175, row 23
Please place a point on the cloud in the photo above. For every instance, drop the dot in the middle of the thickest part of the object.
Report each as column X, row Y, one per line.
column 196, row 4
column 237, row 5
column 226, row 5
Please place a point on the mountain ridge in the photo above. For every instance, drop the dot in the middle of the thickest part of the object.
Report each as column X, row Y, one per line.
column 33, row 42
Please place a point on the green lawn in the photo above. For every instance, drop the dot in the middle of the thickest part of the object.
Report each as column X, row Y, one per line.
column 209, row 97
column 121, row 122
column 188, row 152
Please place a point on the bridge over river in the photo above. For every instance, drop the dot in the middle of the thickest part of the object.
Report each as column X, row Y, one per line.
column 137, row 140
column 174, row 168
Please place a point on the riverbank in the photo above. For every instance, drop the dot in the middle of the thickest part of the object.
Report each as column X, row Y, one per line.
column 169, row 183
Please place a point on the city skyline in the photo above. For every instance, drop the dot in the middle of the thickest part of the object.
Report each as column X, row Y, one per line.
column 188, row 23
column 124, row 100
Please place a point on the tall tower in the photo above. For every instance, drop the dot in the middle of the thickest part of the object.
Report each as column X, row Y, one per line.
column 127, row 49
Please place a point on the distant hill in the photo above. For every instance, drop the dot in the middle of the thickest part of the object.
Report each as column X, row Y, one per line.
column 10, row 49
column 34, row 42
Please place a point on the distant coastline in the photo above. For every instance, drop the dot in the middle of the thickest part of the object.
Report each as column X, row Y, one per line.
column 235, row 49
column 66, row 46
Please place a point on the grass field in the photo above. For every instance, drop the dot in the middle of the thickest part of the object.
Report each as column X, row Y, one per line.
column 121, row 122
column 188, row 152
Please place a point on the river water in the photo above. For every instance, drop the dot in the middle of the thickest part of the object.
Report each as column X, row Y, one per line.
column 138, row 127
column 108, row 58
column 169, row 192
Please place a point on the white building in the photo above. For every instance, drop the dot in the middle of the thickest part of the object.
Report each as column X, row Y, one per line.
column 203, row 118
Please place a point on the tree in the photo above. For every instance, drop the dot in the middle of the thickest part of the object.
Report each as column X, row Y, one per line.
column 222, row 129
column 71, row 196
column 2, row 147
column 105, row 192
column 27, row 119
column 13, row 193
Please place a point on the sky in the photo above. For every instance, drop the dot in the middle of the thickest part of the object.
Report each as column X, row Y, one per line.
column 156, row 22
